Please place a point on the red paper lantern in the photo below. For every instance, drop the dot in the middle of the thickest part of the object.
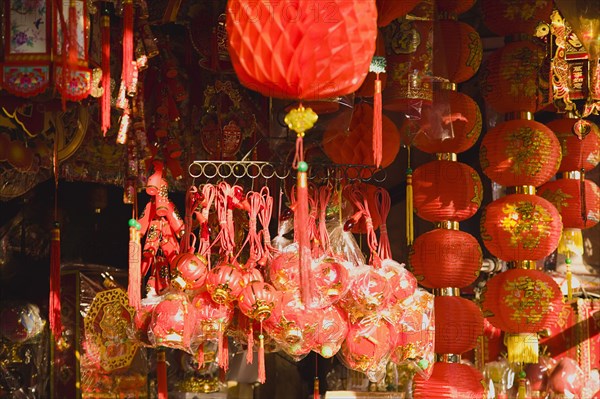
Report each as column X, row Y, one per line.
column 446, row 190
column 190, row 271
column 354, row 145
column 522, row 301
column 566, row 196
column 446, row 258
column 251, row 275
column 509, row 17
column 224, row 283
column 369, row 291
column 409, row 48
column 302, row 50
column 389, row 10
column 331, row 331
column 402, row 282
column 450, row 380
column 509, row 77
column 451, row 124
column 457, row 51
column 283, row 271
column 458, row 323
column 212, row 318
column 520, row 152
column 257, row 300
column 330, row 281
column 576, row 154
column 454, row 6
column 520, row 227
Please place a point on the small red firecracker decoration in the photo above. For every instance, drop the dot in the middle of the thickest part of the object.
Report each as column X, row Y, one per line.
column 520, row 226
column 520, row 152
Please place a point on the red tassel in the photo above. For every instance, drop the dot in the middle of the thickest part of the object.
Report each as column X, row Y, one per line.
column 73, row 48
column 250, row 349
column 135, row 268
column 54, row 300
column 262, row 376
column 161, row 374
column 105, row 100
column 223, row 351
column 200, row 356
column 377, row 129
column 316, row 394
column 127, row 67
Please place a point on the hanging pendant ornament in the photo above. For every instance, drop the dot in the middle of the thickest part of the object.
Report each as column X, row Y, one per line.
column 127, row 71
column 135, row 265
column 300, row 120
column 105, row 99
column 377, row 67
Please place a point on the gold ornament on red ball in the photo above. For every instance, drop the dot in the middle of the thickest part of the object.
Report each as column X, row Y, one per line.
column 522, row 302
column 446, row 190
column 224, row 283
column 520, row 152
column 520, row 227
column 190, row 271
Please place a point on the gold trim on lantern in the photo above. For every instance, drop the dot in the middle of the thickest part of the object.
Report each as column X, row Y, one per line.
column 518, row 115
column 573, row 175
column 446, row 291
column 525, row 190
column 446, row 156
column 447, row 224
column 448, row 357
column 446, row 86
column 523, row 264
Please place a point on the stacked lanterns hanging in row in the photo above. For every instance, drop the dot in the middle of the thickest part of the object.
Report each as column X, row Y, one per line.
column 447, row 192
column 576, row 198
column 520, row 228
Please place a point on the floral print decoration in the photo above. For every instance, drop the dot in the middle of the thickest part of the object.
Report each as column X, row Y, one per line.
column 526, row 147
column 526, row 223
column 530, row 299
column 28, row 26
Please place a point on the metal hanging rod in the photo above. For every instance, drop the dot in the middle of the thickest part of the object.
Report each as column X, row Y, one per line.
column 269, row 170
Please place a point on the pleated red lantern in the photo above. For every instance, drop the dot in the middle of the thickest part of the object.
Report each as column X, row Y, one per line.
column 301, row 50
column 451, row 124
column 508, row 17
column 450, row 380
column 445, row 258
column 567, row 196
column 224, row 283
column 520, row 152
column 446, row 191
column 389, row 10
column 458, row 323
column 520, row 227
column 509, row 77
column 522, row 301
column 354, row 145
column 576, row 154
column 454, row 7
column 457, row 51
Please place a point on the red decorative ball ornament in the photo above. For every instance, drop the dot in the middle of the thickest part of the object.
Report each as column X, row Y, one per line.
column 450, row 380
column 354, row 144
column 330, row 281
column 402, row 282
column 458, row 323
column 446, row 258
column 369, row 291
column 190, row 271
column 224, row 283
column 212, row 318
column 389, row 10
column 302, row 50
column 520, row 152
column 576, row 154
column 567, row 196
column 173, row 321
column 457, row 51
column 446, row 191
column 520, row 227
column 257, row 300
column 283, row 271
column 509, row 17
column 451, row 124
column 331, row 331
column 367, row 345
column 509, row 77
column 522, row 301
column 251, row 275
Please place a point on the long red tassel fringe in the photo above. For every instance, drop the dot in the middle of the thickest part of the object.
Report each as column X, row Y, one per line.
column 127, row 68
column 161, row 375
column 54, row 308
column 106, row 92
